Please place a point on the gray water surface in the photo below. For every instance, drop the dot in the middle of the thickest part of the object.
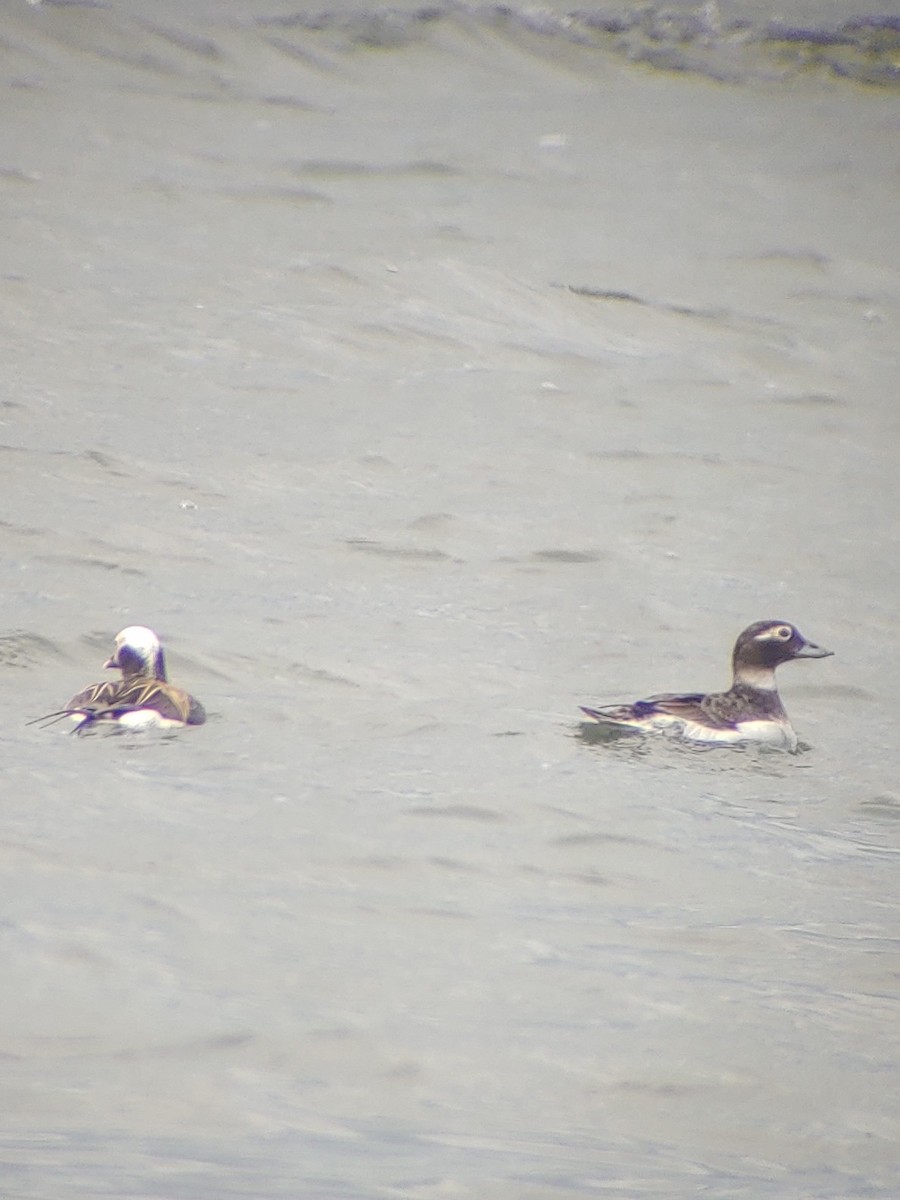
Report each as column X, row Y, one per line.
column 417, row 389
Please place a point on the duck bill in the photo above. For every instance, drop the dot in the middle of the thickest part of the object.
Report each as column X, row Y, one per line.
column 811, row 650
column 110, row 664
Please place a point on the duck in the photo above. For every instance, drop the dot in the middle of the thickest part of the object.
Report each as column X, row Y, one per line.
column 142, row 698
column 751, row 709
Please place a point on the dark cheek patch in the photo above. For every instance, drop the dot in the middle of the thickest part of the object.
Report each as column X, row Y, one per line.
column 778, row 649
column 129, row 661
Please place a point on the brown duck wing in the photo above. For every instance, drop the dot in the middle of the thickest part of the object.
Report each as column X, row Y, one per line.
column 98, row 695
column 678, row 706
column 111, row 700
column 170, row 702
column 715, row 710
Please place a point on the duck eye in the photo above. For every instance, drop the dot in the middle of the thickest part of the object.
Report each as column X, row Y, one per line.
column 784, row 632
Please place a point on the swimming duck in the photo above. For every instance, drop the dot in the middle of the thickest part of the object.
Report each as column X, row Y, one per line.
column 751, row 709
column 142, row 697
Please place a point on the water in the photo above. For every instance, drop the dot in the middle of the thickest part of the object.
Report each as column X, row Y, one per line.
column 418, row 380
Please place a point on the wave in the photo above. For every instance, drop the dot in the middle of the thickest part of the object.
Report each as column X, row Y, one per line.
column 697, row 39
column 739, row 47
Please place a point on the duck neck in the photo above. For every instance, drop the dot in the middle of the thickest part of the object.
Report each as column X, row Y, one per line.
column 756, row 676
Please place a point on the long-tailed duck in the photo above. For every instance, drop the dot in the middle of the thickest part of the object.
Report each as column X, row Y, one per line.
column 143, row 697
column 751, row 709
